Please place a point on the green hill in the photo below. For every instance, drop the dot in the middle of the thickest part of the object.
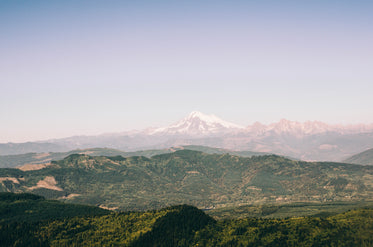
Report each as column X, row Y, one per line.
column 17, row 160
column 12, row 161
column 30, row 208
column 191, row 177
column 363, row 158
column 183, row 226
column 285, row 210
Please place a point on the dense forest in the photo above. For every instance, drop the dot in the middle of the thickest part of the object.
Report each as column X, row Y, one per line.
column 29, row 220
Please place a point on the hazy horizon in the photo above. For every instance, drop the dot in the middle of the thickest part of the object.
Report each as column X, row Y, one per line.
column 90, row 67
column 153, row 126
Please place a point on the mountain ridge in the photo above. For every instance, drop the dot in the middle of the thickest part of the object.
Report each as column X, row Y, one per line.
column 191, row 177
column 363, row 158
column 31, row 159
column 311, row 140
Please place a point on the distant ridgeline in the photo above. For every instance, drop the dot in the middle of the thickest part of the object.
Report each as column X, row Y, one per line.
column 17, row 160
column 363, row 158
column 190, row 177
column 29, row 220
column 311, row 140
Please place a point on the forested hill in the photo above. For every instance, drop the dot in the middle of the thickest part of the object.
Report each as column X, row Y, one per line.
column 175, row 226
column 190, row 177
column 363, row 158
column 26, row 207
column 18, row 160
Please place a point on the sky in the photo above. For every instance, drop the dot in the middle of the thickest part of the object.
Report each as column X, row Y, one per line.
column 91, row 67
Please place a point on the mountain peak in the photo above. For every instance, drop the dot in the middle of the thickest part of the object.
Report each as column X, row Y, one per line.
column 197, row 123
column 196, row 114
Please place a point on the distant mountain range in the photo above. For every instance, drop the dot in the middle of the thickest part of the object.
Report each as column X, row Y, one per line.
column 310, row 140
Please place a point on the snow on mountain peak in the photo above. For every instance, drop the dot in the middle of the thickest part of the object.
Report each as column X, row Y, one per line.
column 295, row 128
column 298, row 128
column 198, row 123
column 211, row 119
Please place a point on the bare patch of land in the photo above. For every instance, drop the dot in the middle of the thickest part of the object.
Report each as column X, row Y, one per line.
column 48, row 182
column 33, row 167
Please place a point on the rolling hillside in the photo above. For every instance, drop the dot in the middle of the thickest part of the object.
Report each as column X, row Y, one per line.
column 181, row 225
column 27, row 207
column 18, row 160
column 363, row 158
column 190, row 177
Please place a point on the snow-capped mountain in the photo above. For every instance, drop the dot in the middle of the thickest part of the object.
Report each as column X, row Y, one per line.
column 197, row 123
column 299, row 129
column 311, row 140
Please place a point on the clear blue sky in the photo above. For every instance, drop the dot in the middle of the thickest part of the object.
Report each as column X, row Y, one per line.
column 89, row 67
